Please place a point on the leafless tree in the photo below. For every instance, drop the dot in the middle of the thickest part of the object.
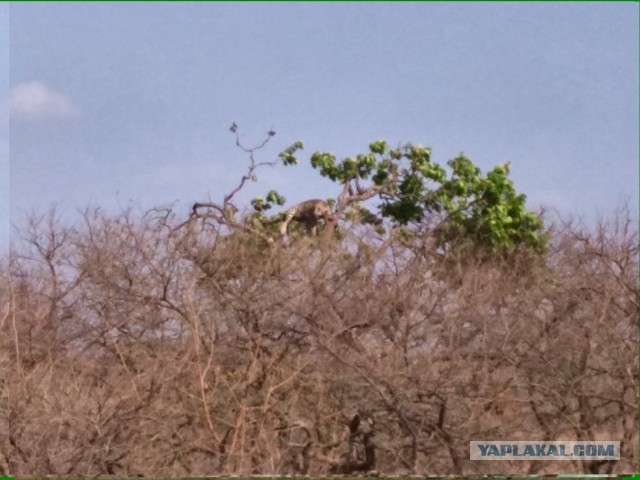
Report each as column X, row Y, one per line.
column 147, row 345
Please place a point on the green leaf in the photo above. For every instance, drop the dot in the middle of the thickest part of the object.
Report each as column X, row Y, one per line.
column 379, row 147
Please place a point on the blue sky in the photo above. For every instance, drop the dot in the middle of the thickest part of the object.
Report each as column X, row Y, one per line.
column 115, row 104
column 4, row 124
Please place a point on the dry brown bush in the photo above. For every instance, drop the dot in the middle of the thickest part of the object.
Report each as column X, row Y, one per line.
column 130, row 348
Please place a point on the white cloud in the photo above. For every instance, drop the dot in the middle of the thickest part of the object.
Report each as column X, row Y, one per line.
column 36, row 101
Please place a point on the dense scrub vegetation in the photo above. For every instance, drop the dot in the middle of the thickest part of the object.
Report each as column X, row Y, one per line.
column 143, row 345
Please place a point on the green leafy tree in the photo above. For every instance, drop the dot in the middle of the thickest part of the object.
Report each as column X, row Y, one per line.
column 484, row 210
column 471, row 208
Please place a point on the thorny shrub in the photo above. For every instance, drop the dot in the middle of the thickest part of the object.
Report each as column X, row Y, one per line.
column 131, row 348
